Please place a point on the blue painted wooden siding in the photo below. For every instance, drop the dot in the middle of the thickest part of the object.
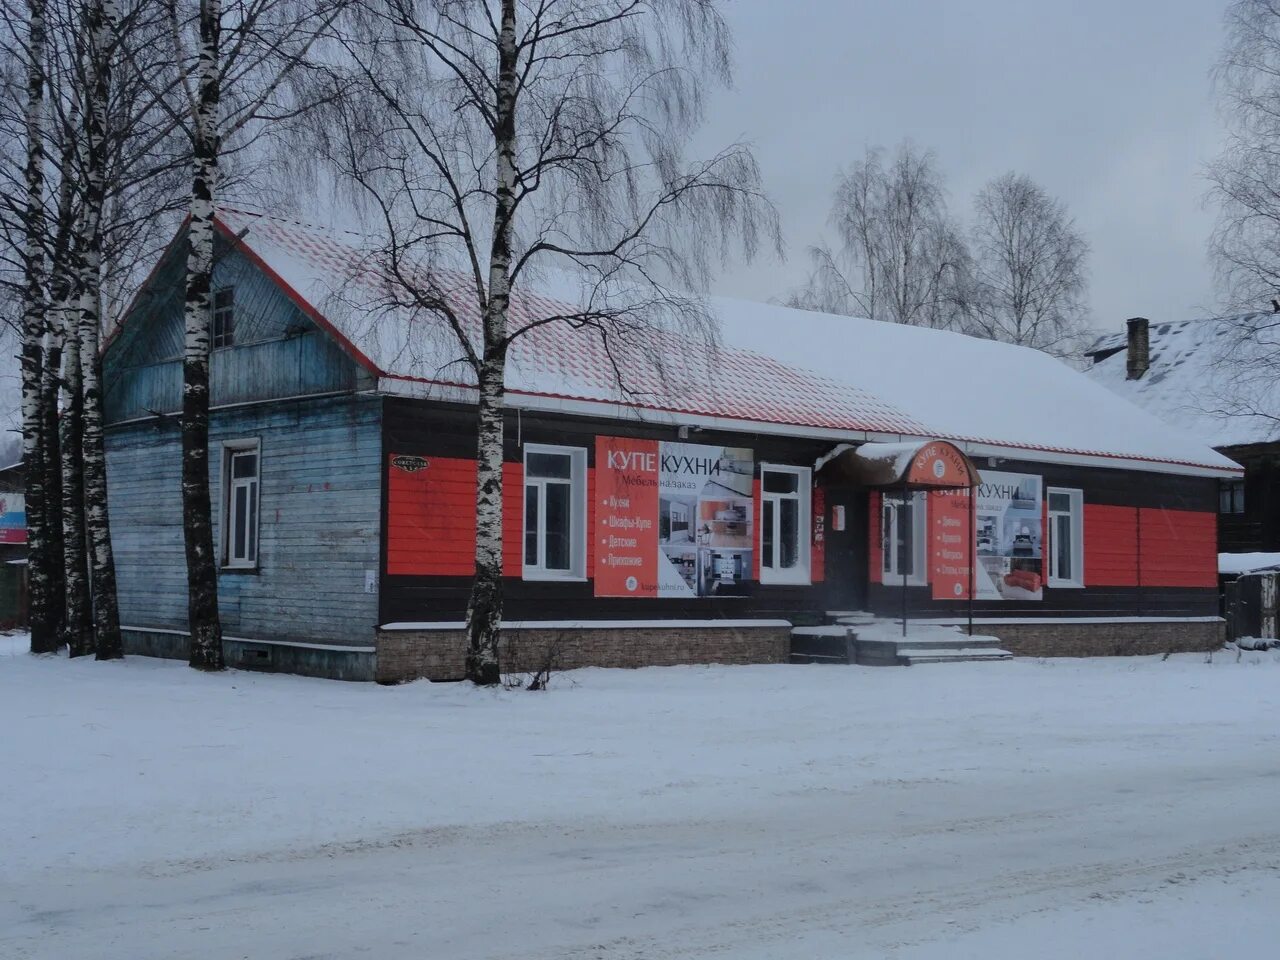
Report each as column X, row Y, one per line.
column 319, row 521
column 278, row 351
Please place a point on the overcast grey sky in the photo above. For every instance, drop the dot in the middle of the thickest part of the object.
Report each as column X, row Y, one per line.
column 1108, row 105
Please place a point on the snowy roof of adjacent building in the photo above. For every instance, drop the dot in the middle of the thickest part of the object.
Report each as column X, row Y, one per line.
column 774, row 367
column 1235, row 564
column 1212, row 378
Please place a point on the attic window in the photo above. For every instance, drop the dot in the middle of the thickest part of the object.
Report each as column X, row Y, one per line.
column 223, row 333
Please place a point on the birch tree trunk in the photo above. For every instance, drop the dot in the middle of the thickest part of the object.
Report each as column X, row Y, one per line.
column 41, row 570
column 51, row 447
column 78, row 622
column 100, row 24
column 202, row 570
column 484, row 609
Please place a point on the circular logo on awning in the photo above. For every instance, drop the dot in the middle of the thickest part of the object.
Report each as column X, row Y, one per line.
column 939, row 469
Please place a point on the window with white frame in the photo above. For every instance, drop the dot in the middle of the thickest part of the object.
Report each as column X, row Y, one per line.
column 223, row 329
column 241, row 462
column 555, row 508
column 1066, row 537
column 784, row 524
column 902, row 537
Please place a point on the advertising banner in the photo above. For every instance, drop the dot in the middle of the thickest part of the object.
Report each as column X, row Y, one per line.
column 672, row 519
column 1010, row 521
column 13, row 518
column 950, row 544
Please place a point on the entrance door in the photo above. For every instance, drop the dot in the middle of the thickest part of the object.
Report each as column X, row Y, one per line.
column 847, row 549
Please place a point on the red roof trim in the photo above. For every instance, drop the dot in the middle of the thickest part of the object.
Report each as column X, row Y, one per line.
column 298, row 300
column 151, row 275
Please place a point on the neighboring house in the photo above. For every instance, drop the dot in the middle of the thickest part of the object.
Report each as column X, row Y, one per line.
column 1217, row 381
column 13, row 545
column 809, row 464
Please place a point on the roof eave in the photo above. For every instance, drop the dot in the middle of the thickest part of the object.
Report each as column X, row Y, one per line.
column 450, row 392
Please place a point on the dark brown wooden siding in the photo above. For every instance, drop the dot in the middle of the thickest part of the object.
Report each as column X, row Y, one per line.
column 1258, row 527
column 439, row 431
column 414, row 589
column 1149, row 550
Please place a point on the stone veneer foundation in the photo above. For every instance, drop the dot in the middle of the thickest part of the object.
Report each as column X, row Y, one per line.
column 438, row 652
column 1107, row 638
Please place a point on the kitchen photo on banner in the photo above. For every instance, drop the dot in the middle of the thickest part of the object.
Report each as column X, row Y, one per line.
column 705, row 523
column 1010, row 532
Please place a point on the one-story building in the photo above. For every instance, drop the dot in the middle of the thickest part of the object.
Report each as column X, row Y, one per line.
column 804, row 466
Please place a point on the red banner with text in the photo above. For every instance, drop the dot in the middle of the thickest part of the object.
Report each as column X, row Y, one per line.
column 626, row 509
column 950, row 544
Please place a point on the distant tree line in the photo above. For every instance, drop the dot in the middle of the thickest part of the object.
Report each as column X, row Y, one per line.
column 1018, row 273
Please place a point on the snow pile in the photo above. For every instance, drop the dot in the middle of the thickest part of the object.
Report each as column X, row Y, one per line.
column 1235, row 564
column 924, row 633
column 1055, row 809
column 1253, row 643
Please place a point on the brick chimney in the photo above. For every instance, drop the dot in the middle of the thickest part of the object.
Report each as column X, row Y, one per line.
column 1138, row 357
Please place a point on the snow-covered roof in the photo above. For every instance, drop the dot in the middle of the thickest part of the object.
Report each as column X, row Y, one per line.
column 1235, row 564
column 1212, row 378
column 819, row 373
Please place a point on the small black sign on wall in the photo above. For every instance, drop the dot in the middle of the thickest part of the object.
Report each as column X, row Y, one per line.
column 409, row 464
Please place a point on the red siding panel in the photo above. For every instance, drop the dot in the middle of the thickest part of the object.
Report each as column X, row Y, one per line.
column 1179, row 548
column 1110, row 546
column 431, row 528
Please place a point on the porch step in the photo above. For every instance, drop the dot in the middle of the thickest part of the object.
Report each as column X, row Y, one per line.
column 909, row 650
column 956, row 654
column 828, row 644
column 841, row 643
column 850, row 618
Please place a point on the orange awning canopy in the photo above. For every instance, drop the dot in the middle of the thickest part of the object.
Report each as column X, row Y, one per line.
column 911, row 465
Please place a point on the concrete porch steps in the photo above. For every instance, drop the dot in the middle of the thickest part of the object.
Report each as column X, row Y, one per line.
column 828, row 644
column 840, row 643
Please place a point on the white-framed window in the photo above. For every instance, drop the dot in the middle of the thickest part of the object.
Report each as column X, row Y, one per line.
column 555, row 512
column 902, row 530
column 222, row 332
column 785, row 501
column 1066, row 537
column 241, row 469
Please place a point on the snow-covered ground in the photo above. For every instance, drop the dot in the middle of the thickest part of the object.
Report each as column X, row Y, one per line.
column 1048, row 809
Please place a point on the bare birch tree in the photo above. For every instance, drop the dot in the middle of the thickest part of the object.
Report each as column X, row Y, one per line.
column 101, row 19
column 43, row 616
column 1030, row 268
column 899, row 255
column 104, row 192
column 1245, row 245
column 249, row 63
column 493, row 141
